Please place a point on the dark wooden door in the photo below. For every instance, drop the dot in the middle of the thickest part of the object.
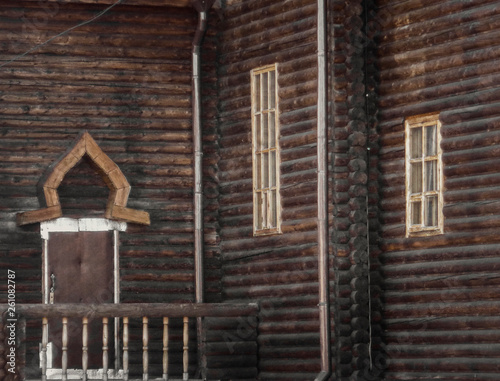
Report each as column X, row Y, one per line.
column 82, row 263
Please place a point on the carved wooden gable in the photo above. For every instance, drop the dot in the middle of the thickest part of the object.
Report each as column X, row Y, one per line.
column 118, row 185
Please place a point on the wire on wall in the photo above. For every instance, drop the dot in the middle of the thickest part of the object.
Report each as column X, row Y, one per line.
column 36, row 47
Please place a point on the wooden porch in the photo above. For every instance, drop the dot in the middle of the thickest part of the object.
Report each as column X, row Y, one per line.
column 214, row 349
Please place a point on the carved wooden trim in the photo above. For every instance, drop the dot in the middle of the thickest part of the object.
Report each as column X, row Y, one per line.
column 119, row 188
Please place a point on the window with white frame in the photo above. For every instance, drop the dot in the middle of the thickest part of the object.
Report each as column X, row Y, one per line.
column 424, row 190
column 265, row 151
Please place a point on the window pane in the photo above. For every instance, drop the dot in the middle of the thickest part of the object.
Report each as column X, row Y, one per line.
column 416, row 143
column 265, row 132
column 258, row 210
column 257, row 132
column 272, row 130
column 272, row 168
column 265, row 97
column 416, row 213
column 272, row 89
column 265, row 170
column 431, row 175
column 258, row 158
column 431, row 213
column 430, row 141
column 256, row 95
column 273, row 215
column 416, row 178
column 265, row 202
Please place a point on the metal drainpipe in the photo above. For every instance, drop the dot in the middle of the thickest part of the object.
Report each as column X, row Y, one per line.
column 198, row 158
column 198, row 176
column 324, row 297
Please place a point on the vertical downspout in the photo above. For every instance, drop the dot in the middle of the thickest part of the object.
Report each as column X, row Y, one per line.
column 198, row 178
column 198, row 160
column 324, row 297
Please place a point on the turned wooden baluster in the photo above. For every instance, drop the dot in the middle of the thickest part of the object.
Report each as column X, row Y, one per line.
column 125, row 348
column 64, row 348
column 45, row 341
column 105, row 357
column 145, row 357
column 85, row 347
column 117, row 343
column 185, row 355
column 165, row 348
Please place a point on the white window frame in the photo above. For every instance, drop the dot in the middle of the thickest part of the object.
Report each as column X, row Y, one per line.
column 417, row 224
column 265, row 151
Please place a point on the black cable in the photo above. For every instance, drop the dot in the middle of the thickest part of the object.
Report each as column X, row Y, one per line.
column 102, row 13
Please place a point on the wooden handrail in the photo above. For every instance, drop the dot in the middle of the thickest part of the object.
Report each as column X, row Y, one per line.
column 126, row 311
column 134, row 310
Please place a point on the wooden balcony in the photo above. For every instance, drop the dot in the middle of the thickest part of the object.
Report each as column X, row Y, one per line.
column 221, row 350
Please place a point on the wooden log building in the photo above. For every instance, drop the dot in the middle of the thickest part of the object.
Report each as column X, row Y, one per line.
column 250, row 189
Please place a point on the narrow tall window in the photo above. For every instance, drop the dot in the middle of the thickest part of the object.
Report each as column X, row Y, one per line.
column 265, row 151
column 424, row 191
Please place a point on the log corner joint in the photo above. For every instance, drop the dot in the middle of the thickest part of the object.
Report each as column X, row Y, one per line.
column 118, row 185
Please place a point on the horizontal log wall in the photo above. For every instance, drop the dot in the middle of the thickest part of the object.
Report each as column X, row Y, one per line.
column 230, row 345
column 441, row 295
column 126, row 78
column 280, row 271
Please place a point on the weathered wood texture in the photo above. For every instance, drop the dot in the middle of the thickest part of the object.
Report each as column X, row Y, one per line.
column 157, row 3
column 279, row 270
column 135, row 310
column 441, row 293
column 126, row 78
column 355, row 152
column 230, row 347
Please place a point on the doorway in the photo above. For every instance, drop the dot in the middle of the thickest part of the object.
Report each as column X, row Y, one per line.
column 80, row 265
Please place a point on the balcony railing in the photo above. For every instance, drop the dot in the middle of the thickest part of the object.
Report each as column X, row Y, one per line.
column 105, row 314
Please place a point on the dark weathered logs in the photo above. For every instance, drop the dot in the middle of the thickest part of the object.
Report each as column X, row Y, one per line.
column 435, row 285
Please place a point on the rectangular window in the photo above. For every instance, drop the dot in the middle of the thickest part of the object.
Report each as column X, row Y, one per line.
column 265, row 151
column 424, row 191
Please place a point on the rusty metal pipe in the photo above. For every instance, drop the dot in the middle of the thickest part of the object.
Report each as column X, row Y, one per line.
column 322, row 152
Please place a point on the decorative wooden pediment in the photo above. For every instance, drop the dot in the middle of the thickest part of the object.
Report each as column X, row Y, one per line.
column 105, row 167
